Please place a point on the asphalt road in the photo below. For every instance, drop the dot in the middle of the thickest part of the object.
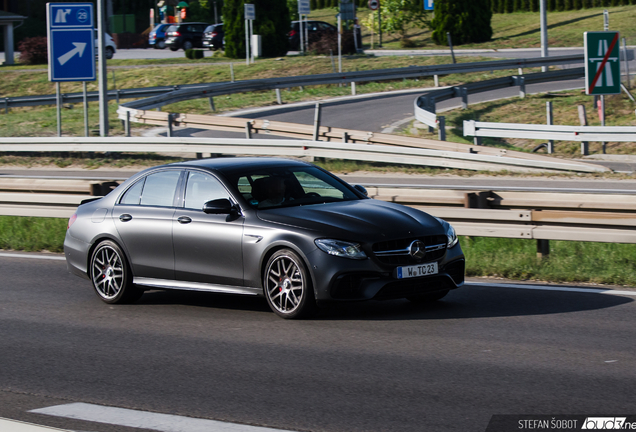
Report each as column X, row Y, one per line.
column 375, row 366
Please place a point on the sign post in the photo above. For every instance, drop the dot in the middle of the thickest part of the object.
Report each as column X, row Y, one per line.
column 71, row 46
column 250, row 16
column 303, row 9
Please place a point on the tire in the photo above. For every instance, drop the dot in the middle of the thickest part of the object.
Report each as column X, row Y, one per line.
column 428, row 298
column 111, row 275
column 187, row 45
column 173, row 48
column 109, row 53
column 288, row 287
column 160, row 44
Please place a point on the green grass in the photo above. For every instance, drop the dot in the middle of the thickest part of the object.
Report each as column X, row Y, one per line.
column 32, row 234
column 604, row 263
column 517, row 30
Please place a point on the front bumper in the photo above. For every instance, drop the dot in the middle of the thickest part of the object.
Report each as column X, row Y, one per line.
column 341, row 279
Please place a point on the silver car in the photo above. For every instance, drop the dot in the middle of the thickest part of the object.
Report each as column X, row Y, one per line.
column 283, row 229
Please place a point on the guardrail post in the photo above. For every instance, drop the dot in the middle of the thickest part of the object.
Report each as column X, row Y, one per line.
column 626, row 62
column 520, row 70
column 585, row 146
column 317, row 121
column 543, row 249
column 477, row 140
column 6, row 105
column 248, row 130
column 441, row 124
column 212, row 107
column 345, row 137
column 127, row 124
column 278, row 97
column 436, row 78
column 353, row 88
column 522, row 87
column 548, row 109
column 170, row 120
column 232, row 71
column 464, row 92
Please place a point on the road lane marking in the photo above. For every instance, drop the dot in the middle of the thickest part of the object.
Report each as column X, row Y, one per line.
column 553, row 288
column 18, row 426
column 144, row 419
column 32, row 256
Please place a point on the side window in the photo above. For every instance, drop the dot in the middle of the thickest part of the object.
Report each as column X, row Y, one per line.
column 160, row 188
column 202, row 188
column 133, row 195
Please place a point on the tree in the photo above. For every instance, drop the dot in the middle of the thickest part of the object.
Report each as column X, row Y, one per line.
column 272, row 23
column 398, row 15
column 468, row 21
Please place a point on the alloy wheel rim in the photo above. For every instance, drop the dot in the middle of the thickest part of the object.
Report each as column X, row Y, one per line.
column 285, row 285
column 108, row 272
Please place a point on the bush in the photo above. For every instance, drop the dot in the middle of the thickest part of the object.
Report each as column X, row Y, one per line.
column 33, row 50
column 194, row 54
column 407, row 43
column 328, row 43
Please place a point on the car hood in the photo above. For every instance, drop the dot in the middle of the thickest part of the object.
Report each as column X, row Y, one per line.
column 360, row 220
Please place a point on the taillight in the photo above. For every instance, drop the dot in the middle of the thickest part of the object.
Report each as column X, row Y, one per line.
column 176, row 33
column 71, row 221
column 214, row 34
column 292, row 33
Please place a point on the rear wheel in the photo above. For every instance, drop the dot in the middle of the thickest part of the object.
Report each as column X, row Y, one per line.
column 187, row 45
column 110, row 52
column 287, row 286
column 428, row 298
column 160, row 44
column 111, row 275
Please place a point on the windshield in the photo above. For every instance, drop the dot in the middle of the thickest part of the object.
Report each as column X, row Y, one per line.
column 290, row 187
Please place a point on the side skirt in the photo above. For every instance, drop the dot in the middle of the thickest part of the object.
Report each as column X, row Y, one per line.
column 196, row 286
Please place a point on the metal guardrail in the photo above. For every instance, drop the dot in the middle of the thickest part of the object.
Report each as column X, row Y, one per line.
column 425, row 105
column 156, row 97
column 550, row 132
column 607, row 218
column 376, row 148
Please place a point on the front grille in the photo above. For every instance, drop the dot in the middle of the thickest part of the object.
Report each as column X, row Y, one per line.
column 413, row 287
column 396, row 252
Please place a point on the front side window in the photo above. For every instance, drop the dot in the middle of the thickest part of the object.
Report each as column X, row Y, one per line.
column 202, row 188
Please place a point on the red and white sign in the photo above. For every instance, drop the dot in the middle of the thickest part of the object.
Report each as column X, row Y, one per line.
column 374, row 4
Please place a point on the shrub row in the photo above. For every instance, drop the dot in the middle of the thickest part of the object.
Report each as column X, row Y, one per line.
column 508, row 6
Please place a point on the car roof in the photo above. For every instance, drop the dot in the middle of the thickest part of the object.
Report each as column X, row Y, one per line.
column 234, row 164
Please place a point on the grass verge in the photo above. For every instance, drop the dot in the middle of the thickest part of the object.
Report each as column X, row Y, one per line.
column 603, row 263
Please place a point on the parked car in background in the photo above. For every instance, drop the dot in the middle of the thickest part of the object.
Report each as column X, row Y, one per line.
column 185, row 35
column 213, row 37
column 109, row 49
column 157, row 37
column 281, row 229
column 315, row 29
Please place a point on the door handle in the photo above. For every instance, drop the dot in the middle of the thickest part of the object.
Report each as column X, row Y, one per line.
column 184, row 220
column 125, row 217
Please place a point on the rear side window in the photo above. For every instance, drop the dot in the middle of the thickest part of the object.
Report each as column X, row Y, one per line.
column 159, row 189
column 133, row 195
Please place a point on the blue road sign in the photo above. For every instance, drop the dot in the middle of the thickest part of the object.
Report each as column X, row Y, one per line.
column 429, row 5
column 71, row 42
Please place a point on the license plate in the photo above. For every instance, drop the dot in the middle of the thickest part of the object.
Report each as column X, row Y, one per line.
column 416, row 270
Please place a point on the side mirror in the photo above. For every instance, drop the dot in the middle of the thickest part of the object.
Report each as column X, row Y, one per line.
column 361, row 189
column 218, row 206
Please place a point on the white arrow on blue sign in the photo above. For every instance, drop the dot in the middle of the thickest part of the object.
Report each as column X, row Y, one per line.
column 71, row 41
column 429, row 5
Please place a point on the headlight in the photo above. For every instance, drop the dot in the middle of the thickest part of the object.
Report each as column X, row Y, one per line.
column 341, row 248
column 451, row 235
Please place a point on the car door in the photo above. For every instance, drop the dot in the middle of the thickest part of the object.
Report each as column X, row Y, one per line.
column 143, row 217
column 208, row 247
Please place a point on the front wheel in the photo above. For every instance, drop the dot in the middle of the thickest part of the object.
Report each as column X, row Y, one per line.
column 110, row 52
column 111, row 275
column 288, row 286
column 187, row 45
column 160, row 44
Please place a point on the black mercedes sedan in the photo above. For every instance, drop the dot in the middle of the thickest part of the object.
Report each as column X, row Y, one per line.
column 282, row 229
